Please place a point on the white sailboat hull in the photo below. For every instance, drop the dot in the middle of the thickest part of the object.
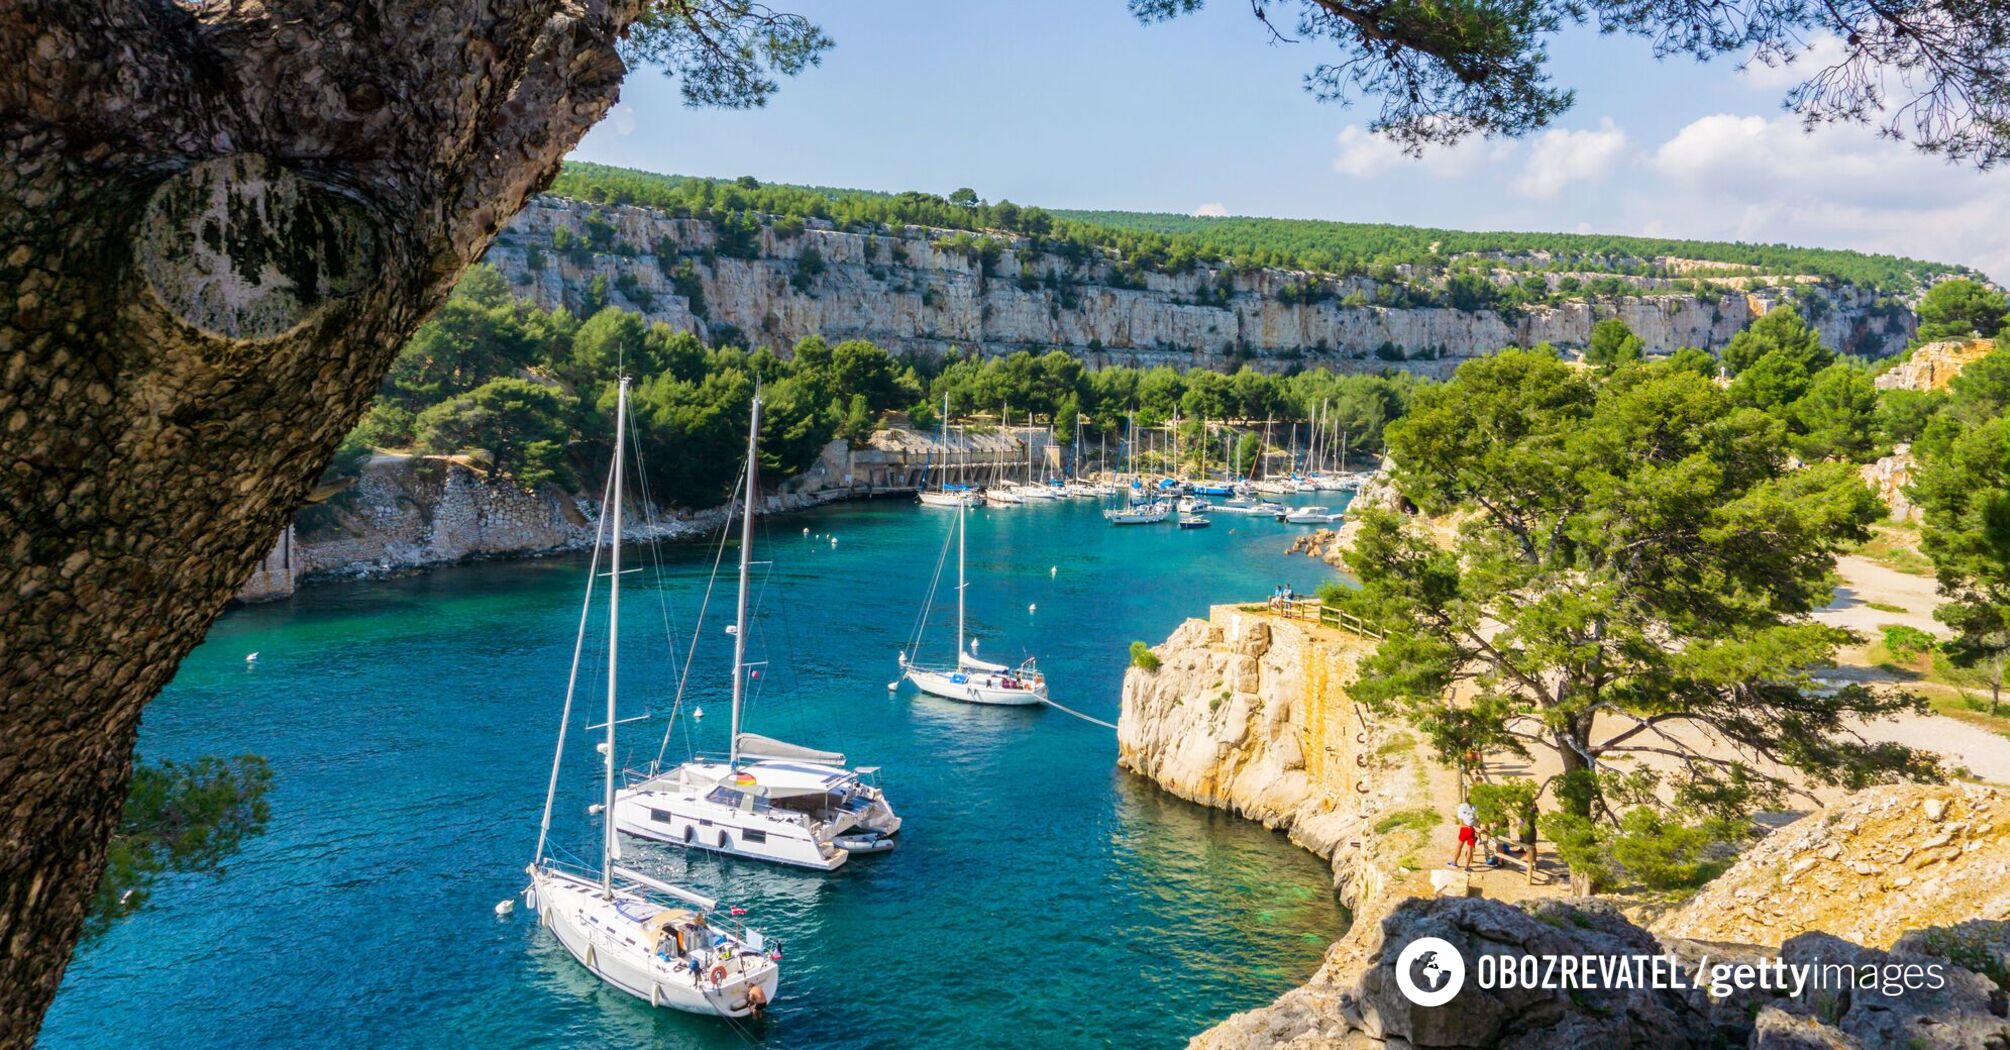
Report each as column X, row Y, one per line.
column 679, row 808
column 948, row 499
column 974, row 688
column 610, row 945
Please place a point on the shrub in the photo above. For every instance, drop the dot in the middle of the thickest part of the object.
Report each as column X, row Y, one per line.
column 1907, row 643
column 1143, row 658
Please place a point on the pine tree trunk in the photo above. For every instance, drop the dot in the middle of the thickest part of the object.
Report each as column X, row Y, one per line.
column 217, row 224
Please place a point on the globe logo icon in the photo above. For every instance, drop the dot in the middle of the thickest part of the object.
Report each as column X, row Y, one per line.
column 1430, row 971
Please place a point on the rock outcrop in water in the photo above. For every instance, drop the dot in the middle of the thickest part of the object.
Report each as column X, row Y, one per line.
column 909, row 290
column 1248, row 712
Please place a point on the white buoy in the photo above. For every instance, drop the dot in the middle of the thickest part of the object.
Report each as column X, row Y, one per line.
column 834, row 541
column 252, row 659
column 698, row 713
column 1053, row 571
column 806, row 530
column 893, row 685
column 505, row 906
column 1032, row 607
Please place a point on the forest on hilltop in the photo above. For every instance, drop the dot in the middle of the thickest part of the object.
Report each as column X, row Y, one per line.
column 1170, row 243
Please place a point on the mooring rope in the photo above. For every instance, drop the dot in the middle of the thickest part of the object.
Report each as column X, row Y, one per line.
column 1077, row 714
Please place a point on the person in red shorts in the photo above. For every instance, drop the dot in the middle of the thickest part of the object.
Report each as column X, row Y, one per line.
column 1462, row 854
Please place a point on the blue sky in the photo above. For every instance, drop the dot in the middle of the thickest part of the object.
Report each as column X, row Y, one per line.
column 1075, row 104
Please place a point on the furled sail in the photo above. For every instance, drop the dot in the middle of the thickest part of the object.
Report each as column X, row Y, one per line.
column 753, row 745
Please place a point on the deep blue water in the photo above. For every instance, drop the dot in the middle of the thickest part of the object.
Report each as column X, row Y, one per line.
column 1039, row 894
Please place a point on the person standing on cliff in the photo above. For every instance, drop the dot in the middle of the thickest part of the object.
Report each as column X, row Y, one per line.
column 1468, row 835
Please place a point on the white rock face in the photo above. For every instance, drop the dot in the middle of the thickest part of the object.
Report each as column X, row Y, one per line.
column 911, row 292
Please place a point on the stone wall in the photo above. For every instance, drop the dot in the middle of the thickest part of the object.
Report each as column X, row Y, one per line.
column 908, row 291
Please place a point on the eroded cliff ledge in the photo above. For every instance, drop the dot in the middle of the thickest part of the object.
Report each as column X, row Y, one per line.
column 908, row 289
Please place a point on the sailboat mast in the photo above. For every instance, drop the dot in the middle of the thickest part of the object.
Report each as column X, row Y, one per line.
column 746, row 548
column 961, row 519
column 608, row 849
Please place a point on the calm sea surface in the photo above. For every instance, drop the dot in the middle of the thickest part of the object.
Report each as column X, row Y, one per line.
column 1039, row 895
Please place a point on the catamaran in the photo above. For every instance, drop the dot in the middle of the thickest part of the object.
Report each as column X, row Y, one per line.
column 973, row 680
column 767, row 799
column 649, row 938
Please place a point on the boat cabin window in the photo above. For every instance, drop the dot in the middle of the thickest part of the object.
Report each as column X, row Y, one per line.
column 660, row 816
column 736, row 799
column 750, row 835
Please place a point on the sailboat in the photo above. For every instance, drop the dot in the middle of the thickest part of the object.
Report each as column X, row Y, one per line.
column 946, row 494
column 973, row 680
column 789, row 804
column 649, row 938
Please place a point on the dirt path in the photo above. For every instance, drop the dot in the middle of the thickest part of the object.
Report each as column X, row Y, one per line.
column 1865, row 581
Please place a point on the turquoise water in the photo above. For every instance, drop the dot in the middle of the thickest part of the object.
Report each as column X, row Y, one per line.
column 1039, row 894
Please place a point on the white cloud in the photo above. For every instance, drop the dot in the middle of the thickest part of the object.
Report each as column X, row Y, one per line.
column 1365, row 154
column 1767, row 178
column 1212, row 209
column 1557, row 158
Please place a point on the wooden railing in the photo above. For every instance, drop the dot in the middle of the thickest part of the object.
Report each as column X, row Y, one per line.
column 1325, row 615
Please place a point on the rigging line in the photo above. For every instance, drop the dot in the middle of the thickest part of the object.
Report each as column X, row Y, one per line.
column 651, row 529
column 572, row 677
column 697, row 631
column 914, row 637
column 1077, row 714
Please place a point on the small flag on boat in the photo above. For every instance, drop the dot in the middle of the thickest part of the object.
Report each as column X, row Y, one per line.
column 737, row 910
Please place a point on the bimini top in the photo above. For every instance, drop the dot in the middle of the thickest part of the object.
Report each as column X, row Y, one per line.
column 753, row 745
column 773, row 779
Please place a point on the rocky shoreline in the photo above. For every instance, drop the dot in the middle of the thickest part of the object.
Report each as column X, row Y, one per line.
column 1247, row 711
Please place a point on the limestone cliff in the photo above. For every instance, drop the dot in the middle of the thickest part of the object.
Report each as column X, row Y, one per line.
column 1933, row 366
column 1248, row 711
column 908, row 290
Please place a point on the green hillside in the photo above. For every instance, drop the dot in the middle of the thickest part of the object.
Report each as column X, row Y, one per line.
column 1175, row 243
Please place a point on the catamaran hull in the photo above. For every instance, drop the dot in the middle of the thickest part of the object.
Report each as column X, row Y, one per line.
column 562, row 908
column 684, row 825
column 971, row 691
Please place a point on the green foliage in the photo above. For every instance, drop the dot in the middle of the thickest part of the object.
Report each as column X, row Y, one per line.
column 1419, row 820
column 1692, row 359
column 1646, row 847
column 1959, row 309
column 1836, row 418
column 1780, row 330
column 1902, row 415
column 1143, row 658
column 386, row 425
column 1907, row 643
column 1505, row 805
column 1963, row 489
column 1613, row 344
column 179, row 816
column 521, row 425
column 725, row 53
column 1634, row 544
